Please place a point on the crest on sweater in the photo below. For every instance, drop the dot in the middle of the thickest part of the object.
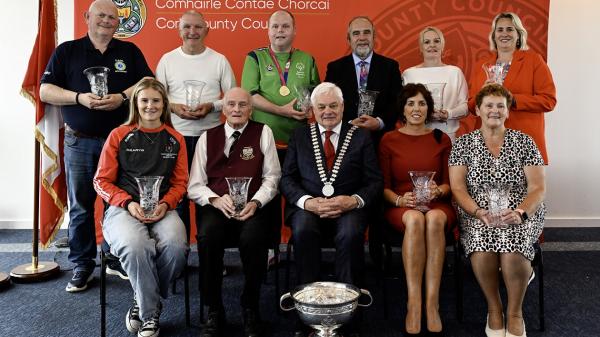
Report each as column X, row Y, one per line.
column 247, row 153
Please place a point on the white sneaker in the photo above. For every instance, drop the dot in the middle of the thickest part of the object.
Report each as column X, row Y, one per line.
column 150, row 328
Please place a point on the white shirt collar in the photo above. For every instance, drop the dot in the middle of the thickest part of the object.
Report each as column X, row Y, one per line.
column 358, row 59
column 336, row 129
column 229, row 130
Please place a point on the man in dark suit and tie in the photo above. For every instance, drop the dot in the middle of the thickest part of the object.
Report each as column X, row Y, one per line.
column 367, row 70
column 330, row 176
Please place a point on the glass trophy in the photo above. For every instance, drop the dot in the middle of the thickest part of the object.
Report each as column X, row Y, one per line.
column 497, row 195
column 437, row 93
column 193, row 93
column 422, row 181
column 366, row 101
column 149, row 188
column 495, row 72
column 98, row 78
column 302, row 94
column 238, row 191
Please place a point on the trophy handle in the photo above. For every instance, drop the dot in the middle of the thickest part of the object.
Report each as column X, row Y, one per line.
column 282, row 299
column 364, row 292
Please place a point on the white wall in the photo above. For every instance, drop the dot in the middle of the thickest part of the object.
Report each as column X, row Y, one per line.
column 572, row 129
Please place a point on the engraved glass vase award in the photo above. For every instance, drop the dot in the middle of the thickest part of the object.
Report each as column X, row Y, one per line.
column 193, row 93
column 497, row 197
column 98, row 78
column 421, row 181
column 325, row 306
column 495, row 72
column 366, row 101
column 149, row 187
column 437, row 93
column 302, row 94
column 238, row 191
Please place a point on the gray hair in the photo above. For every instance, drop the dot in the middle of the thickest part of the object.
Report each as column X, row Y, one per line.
column 326, row 87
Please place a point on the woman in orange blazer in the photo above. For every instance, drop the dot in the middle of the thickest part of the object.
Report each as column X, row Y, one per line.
column 524, row 73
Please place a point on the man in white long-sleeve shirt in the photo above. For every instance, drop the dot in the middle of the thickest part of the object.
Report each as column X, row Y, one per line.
column 193, row 60
column 237, row 148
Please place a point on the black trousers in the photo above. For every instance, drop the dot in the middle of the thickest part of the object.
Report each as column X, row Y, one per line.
column 215, row 233
column 309, row 231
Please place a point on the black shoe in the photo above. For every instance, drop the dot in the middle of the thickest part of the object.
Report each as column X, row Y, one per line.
column 252, row 323
column 79, row 281
column 113, row 267
column 435, row 334
column 133, row 322
column 214, row 325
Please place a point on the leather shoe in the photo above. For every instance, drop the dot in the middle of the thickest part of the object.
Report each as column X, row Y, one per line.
column 252, row 323
column 214, row 324
column 435, row 334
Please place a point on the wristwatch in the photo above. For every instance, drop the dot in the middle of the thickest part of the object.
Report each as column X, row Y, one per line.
column 258, row 203
column 125, row 98
column 523, row 214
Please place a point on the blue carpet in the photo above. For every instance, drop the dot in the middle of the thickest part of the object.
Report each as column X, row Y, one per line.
column 45, row 309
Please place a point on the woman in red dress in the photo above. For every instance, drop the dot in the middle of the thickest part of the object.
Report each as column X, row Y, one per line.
column 415, row 147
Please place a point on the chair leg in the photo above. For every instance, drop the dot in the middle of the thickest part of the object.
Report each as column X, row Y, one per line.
column 540, row 268
column 287, row 266
column 102, row 294
column 186, row 287
column 458, row 280
column 276, row 271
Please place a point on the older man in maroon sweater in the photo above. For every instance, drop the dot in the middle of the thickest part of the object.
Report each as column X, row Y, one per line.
column 237, row 148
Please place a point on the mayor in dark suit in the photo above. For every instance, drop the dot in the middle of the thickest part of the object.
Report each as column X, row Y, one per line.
column 330, row 176
column 364, row 69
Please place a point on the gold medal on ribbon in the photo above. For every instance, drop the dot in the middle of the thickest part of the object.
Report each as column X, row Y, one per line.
column 284, row 90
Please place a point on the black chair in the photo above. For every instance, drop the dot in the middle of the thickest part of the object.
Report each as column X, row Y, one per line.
column 273, row 208
column 537, row 263
column 103, row 262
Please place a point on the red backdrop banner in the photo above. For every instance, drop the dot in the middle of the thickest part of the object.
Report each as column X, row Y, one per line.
column 238, row 26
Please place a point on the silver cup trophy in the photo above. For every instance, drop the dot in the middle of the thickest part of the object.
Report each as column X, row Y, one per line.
column 421, row 181
column 238, row 191
column 325, row 306
column 193, row 93
column 497, row 195
column 366, row 101
column 98, row 78
column 149, row 187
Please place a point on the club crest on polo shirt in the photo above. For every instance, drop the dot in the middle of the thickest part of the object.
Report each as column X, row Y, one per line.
column 120, row 66
column 270, row 67
column 247, row 153
column 300, row 69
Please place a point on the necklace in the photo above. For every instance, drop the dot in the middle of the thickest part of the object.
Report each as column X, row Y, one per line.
column 328, row 189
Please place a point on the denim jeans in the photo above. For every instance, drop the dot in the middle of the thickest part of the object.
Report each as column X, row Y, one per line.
column 81, row 161
column 153, row 255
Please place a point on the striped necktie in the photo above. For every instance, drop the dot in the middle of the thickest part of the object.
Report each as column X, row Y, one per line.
column 236, row 135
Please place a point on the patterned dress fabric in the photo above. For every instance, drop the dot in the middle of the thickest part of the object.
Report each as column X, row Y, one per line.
column 517, row 152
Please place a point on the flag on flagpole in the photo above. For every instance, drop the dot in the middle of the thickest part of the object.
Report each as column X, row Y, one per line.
column 49, row 130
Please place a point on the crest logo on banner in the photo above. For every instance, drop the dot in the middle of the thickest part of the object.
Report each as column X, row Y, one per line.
column 132, row 16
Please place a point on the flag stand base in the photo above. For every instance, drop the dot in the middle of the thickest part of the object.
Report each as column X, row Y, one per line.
column 4, row 280
column 27, row 273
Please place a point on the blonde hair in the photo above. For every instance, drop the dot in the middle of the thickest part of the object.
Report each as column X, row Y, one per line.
column 521, row 31
column 143, row 84
column 432, row 29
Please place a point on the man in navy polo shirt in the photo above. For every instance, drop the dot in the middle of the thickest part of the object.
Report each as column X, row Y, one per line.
column 89, row 119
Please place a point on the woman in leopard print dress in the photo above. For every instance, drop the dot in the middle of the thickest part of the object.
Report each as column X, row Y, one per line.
column 495, row 154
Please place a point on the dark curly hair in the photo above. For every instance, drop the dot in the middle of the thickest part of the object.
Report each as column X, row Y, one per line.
column 411, row 90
